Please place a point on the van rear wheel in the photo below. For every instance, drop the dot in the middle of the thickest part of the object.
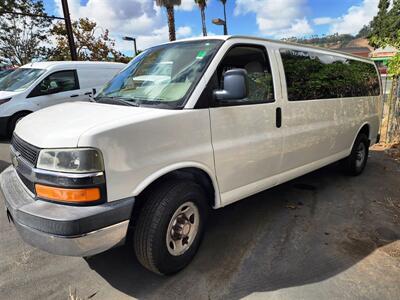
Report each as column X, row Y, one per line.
column 170, row 226
column 355, row 163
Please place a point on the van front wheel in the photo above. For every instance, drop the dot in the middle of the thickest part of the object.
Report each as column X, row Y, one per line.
column 355, row 163
column 170, row 226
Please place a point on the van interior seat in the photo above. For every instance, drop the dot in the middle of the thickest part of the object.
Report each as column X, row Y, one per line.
column 254, row 67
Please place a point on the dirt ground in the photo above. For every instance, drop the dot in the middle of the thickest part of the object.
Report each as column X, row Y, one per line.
column 321, row 236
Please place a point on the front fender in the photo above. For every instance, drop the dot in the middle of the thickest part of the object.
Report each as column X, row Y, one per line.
column 175, row 167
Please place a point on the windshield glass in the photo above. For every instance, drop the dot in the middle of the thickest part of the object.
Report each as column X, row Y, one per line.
column 20, row 79
column 4, row 73
column 162, row 76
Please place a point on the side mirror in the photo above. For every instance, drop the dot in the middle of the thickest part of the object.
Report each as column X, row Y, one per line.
column 235, row 86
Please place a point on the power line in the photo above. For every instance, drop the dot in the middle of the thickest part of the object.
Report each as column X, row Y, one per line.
column 67, row 20
column 31, row 15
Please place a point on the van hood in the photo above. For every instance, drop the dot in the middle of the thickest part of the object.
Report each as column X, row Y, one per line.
column 62, row 125
column 7, row 94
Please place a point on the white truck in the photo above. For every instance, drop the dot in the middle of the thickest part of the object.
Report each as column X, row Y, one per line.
column 237, row 115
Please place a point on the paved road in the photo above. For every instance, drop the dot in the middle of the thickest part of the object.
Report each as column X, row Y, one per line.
column 322, row 236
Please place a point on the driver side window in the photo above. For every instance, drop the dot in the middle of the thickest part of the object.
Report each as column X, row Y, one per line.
column 254, row 59
column 57, row 82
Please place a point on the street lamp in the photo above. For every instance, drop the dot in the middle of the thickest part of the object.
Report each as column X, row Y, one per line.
column 219, row 21
column 129, row 38
column 224, row 21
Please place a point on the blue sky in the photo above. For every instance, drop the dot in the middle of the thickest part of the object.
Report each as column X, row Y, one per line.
column 269, row 18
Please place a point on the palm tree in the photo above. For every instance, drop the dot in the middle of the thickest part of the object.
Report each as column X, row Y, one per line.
column 202, row 5
column 169, row 5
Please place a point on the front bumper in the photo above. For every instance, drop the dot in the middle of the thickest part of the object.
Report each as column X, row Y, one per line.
column 64, row 229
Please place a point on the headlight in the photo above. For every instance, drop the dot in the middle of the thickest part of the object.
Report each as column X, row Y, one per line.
column 77, row 160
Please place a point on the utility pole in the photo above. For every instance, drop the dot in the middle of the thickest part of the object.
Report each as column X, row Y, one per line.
column 68, row 27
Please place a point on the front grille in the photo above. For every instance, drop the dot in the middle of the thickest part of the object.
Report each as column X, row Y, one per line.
column 29, row 152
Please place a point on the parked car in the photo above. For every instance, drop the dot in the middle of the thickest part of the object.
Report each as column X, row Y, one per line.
column 38, row 85
column 238, row 115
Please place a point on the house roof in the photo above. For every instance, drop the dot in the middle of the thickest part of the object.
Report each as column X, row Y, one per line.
column 355, row 49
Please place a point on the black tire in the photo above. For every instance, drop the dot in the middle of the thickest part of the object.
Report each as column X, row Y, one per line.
column 150, row 232
column 13, row 122
column 355, row 163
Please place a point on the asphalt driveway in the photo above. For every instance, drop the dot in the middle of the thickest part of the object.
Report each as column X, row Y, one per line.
column 321, row 236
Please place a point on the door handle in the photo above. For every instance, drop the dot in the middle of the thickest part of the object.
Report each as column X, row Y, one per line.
column 88, row 93
column 278, row 117
column 73, row 96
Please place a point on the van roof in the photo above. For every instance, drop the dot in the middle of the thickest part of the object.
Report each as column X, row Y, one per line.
column 229, row 37
column 73, row 64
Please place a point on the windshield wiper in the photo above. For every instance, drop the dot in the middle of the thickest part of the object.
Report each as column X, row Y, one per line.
column 115, row 100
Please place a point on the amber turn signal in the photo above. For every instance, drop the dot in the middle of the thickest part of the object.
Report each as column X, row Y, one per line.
column 67, row 195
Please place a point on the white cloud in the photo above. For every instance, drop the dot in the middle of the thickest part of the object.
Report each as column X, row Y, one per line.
column 324, row 21
column 353, row 20
column 283, row 18
column 139, row 18
column 298, row 28
column 184, row 31
column 186, row 5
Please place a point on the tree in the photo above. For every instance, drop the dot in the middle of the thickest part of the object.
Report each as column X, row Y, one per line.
column 23, row 38
column 385, row 31
column 169, row 5
column 202, row 6
column 364, row 32
column 379, row 24
column 88, row 45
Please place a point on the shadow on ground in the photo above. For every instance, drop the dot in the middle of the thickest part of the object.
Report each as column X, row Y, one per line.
column 298, row 233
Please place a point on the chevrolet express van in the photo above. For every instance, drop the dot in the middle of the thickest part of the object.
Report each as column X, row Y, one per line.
column 237, row 115
column 42, row 84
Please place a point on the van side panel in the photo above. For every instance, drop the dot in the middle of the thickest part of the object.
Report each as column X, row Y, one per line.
column 322, row 130
column 137, row 153
column 311, row 131
column 355, row 112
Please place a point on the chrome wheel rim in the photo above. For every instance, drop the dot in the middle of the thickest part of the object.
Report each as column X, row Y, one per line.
column 360, row 155
column 182, row 229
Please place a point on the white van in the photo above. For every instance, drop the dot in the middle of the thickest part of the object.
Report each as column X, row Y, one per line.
column 38, row 85
column 237, row 116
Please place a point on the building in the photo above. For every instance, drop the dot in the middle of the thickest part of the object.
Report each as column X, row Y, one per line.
column 360, row 51
column 381, row 56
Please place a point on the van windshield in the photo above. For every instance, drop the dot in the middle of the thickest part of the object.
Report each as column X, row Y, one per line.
column 162, row 76
column 20, row 79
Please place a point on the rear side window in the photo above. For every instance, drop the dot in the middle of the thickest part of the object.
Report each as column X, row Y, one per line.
column 57, row 82
column 312, row 76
